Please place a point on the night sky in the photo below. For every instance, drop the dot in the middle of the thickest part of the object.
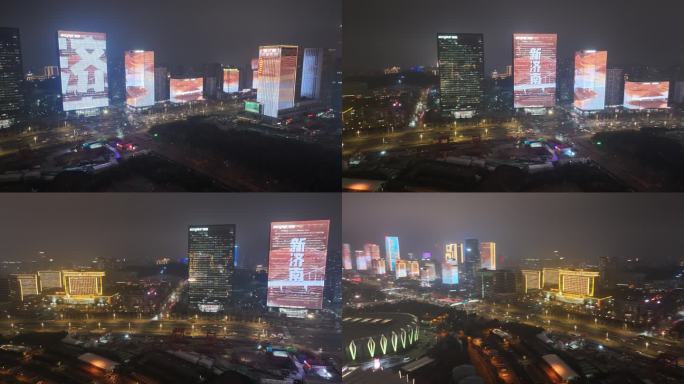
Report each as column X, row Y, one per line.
column 382, row 33
column 582, row 227
column 80, row 227
column 181, row 32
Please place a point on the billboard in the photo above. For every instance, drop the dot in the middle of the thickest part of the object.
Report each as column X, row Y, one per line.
column 139, row 78
column 185, row 90
column 590, row 80
column 231, row 80
column 296, row 264
column 83, row 69
column 253, row 107
column 641, row 95
column 534, row 70
column 392, row 251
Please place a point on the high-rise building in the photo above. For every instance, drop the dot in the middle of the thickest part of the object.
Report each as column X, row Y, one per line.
column 11, row 77
column 161, row 84
column 361, row 260
column 231, row 80
column 615, row 87
column 315, row 73
column 346, row 256
column 449, row 273
column 590, row 80
column 401, row 270
column 83, row 67
column 392, row 251
column 413, row 269
column 210, row 255
column 534, row 70
column 373, row 250
column 378, row 266
column 495, row 283
column 255, row 73
column 23, row 285
column 460, row 59
column 472, row 261
column 454, row 252
column 488, row 255
column 140, row 78
column 277, row 78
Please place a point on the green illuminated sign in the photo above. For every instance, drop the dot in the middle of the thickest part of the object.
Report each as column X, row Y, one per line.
column 253, row 107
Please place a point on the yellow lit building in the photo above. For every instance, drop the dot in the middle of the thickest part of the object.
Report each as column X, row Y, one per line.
column 550, row 278
column 82, row 284
column 23, row 285
column 577, row 283
column 532, row 279
column 488, row 255
column 454, row 252
column 413, row 269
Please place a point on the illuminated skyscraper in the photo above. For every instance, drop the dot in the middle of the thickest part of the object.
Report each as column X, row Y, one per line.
column 471, row 261
column 140, row 78
column 312, row 72
column 460, row 58
column 373, row 250
column 454, row 253
column 255, row 73
column 615, row 87
column 392, row 251
column 488, row 255
column 346, row 256
column 590, row 80
column 161, row 84
column 361, row 260
column 449, row 273
column 11, row 77
column 210, row 255
column 277, row 78
column 401, row 271
column 231, row 80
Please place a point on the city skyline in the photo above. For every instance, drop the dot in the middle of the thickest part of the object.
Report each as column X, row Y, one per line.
column 148, row 28
column 414, row 26
column 100, row 225
column 427, row 222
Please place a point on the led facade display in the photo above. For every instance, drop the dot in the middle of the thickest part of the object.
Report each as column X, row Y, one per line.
column 392, row 251
column 139, row 78
column 449, row 273
column 590, row 80
column 83, row 68
column 277, row 75
column 185, row 90
column 296, row 264
column 534, row 70
column 488, row 255
column 642, row 95
column 231, row 80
